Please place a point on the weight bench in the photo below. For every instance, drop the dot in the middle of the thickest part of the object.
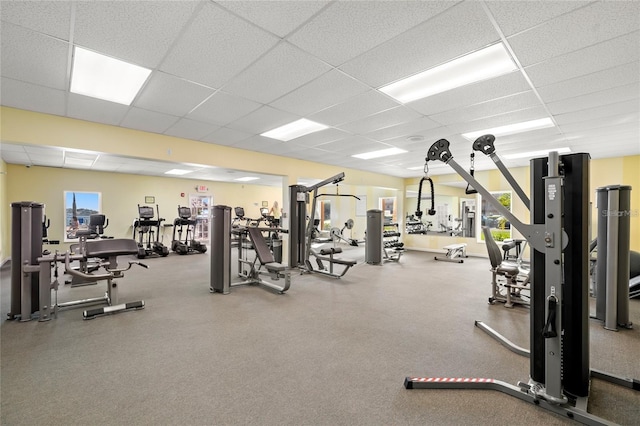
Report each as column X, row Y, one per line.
column 108, row 251
column 263, row 254
column 455, row 253
column 322, row 256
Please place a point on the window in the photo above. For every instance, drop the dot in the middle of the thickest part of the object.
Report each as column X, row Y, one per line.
column 490, row 216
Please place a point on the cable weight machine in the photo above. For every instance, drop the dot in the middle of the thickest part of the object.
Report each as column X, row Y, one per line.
column 559, row 335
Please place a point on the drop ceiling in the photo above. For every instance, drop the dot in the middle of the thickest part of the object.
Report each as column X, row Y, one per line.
column 225, row 71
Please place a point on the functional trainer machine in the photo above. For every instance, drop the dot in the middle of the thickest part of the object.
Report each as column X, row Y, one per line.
column 31, row 283
column 559, row 357
column 301, row 232
column 249, row 270
column 185, row 224
column 147, row 229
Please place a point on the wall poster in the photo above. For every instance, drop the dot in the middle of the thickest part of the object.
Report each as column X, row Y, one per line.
column 78, row 206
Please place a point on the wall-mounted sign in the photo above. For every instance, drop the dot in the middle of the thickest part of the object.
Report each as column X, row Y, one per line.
column 202, row 188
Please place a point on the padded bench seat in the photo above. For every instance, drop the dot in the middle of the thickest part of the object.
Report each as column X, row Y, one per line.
column 331, row 251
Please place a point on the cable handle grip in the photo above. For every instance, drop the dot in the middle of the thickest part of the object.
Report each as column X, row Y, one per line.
column 549, row 331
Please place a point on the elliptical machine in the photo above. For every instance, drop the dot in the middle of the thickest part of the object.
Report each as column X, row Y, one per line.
column 184, row 223
column 148, row 233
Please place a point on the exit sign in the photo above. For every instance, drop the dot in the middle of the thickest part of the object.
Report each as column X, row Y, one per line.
column 202, row 188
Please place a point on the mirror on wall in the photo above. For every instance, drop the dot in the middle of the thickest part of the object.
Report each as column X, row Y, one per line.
column 389, row 209
column 455, row 211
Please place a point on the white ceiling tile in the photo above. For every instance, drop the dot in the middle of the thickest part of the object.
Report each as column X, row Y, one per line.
column 390, row 117
column 47, row 17
column 223, row 108
column 96, row 110
column 347, row 29
column 516, row 16
column 215, row 47
column 624, row 120
column 30, row 97
column 611, row 110
column 13, row 157
column 277, row 73
column 278, row 17
column 43, row 151
column 47, row 160
column 226, row 136
column 140, row 32
column 10, row 147
column 257, row 143
column 261, row 120
column 471, row 94
column 327, row 90
column 171, row 95
column 611, row 53
column 148, row 121
column 491, row 108
column 595, row 82
column 595, row 99
column 323, row 136
column 190, row 129
column 584, row 27
column 456, row 32
column 353, row 145
column 354, row 108
column 499, row 120
column 33, row 58
column 414, row 127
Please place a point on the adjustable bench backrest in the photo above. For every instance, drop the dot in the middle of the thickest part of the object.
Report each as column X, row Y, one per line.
column 260, row 245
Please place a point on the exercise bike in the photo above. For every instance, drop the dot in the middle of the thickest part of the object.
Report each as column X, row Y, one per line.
column 184, row 223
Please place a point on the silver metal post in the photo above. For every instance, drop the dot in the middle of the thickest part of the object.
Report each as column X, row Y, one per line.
column 553, row 281
column 611, row 312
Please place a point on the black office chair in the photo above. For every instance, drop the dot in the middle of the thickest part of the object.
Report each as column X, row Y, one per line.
column 516, row 278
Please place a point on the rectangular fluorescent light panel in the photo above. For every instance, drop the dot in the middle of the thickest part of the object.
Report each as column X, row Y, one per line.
column 532, row 154
column 294, row 130
column 247, row 179
column 511, row 129
column 106, row 78
column 484, row 64
column 380, row 153
column 177, row 172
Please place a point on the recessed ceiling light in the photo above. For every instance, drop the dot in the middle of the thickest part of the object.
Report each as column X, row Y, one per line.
column 106, row 78
column 511, row 129
column 294, row 130
column 381, row 153
column 539, row 153
column 415, row 138
column 177, row 172
column 484, row 64
column 247, row 178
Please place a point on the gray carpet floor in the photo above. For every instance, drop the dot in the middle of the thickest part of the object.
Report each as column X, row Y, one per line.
column 328, row 352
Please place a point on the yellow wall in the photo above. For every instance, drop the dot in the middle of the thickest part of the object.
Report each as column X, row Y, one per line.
column 4, row 211
column 608, row 171
column 121, row 194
